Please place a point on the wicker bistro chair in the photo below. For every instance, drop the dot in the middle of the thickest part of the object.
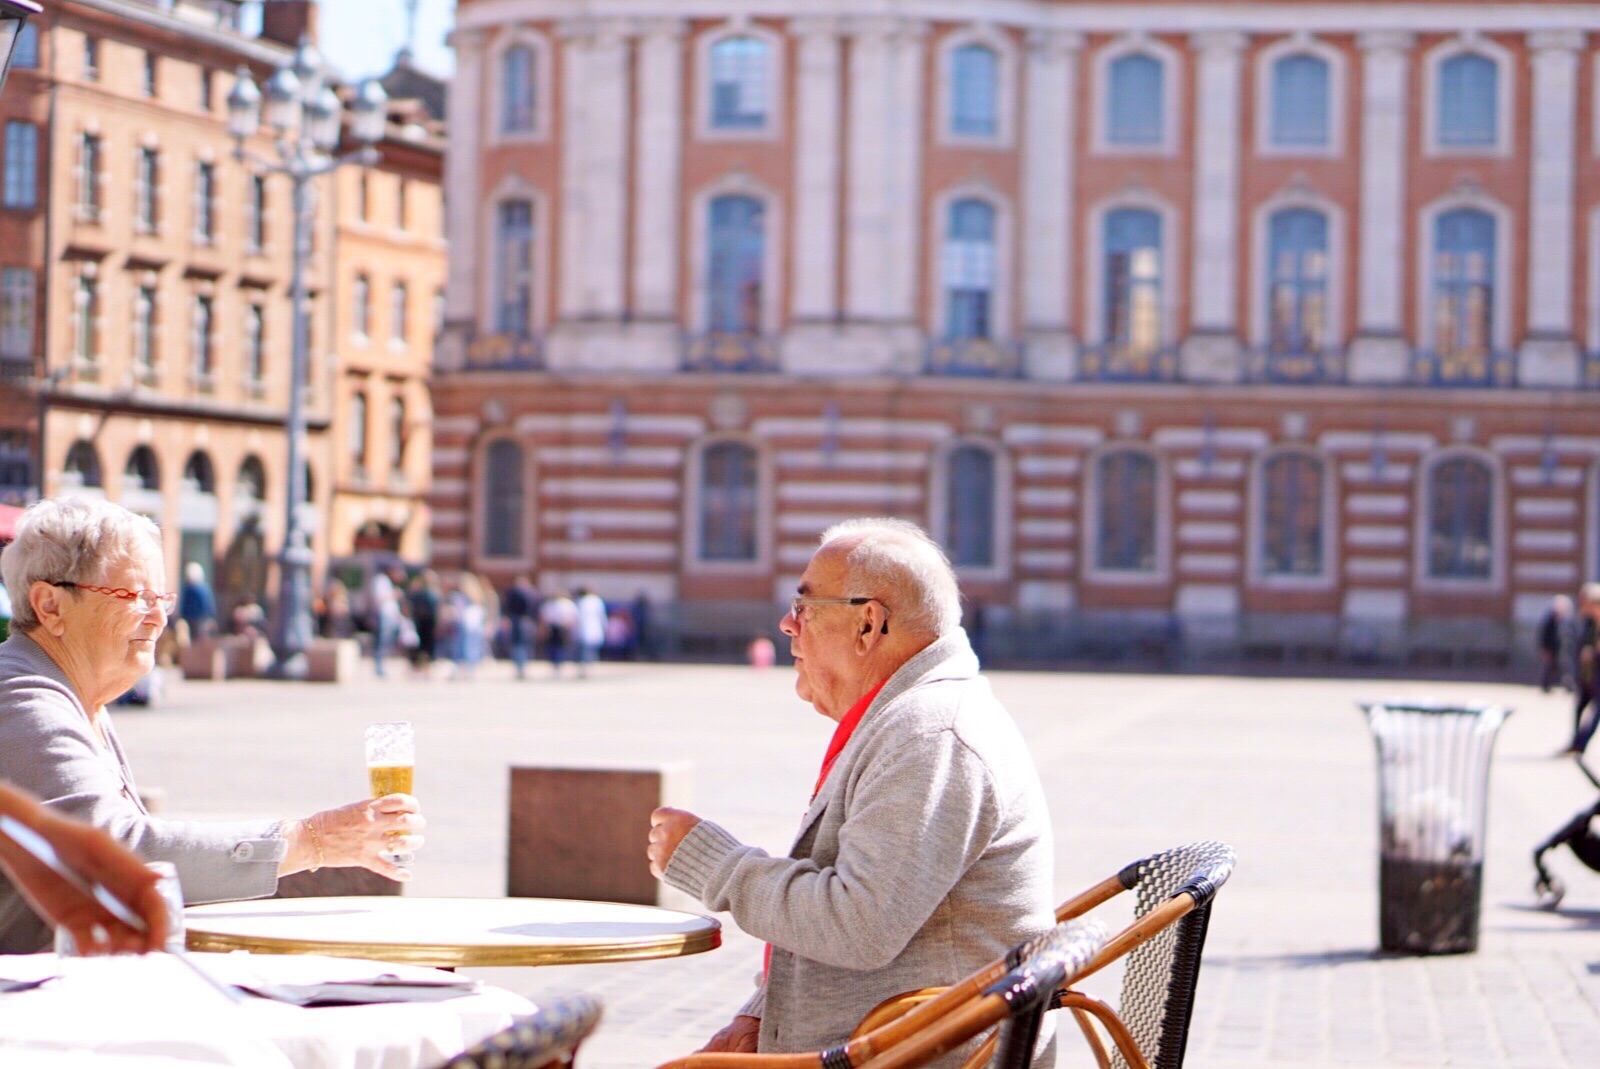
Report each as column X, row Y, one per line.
column 1017, row 990
column 1172, row 908
column 546, row 1039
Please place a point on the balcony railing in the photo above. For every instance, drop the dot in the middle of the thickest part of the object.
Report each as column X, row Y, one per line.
column 1104, row 363
column 720, row 351
column 1480, row 369
column 1276, row 366
column 975, row 357
column 502, row 352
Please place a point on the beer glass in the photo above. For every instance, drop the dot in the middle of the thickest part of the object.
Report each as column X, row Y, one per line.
column 391, row 763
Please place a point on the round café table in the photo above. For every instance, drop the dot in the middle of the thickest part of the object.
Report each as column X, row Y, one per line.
column 452, row 932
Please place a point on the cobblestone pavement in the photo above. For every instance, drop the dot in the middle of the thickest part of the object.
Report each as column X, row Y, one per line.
column 1281, row 768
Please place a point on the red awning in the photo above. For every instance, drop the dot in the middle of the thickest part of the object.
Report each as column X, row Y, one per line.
column 8, row 521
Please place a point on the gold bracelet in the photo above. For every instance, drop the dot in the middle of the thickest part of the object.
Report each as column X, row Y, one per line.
column 316, row 840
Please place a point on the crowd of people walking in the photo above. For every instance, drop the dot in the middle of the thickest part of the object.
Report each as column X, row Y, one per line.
column 462, row 619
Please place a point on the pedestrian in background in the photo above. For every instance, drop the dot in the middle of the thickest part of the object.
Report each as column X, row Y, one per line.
column 591, row 628
column 1586, row 664
column 520, row 608
column 558, row 618
column 383, row 602
column 1555, row 645
column 197, row 606
column 467, row 622
column 424, row 599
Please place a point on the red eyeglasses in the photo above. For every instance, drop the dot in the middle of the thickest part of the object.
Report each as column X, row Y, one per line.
column 143, row 600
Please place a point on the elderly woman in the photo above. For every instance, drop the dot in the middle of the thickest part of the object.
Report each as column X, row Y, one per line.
column 90, row 598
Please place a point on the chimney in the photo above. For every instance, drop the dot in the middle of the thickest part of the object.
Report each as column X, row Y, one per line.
column 286, row 21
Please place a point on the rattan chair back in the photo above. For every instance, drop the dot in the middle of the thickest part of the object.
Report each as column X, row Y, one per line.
column 546, row 1039
column 1173, row 893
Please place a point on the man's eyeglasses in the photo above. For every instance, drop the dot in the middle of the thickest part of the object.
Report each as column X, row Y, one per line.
column 143, row 600
column 800, row 603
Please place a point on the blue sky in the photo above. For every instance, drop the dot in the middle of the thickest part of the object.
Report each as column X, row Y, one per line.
column 361, row 37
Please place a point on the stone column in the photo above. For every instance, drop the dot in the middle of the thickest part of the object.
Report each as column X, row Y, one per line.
column 463, row 197
column 576, row 39
column 1211, row 353
column 1549, row 355
column 883, row 224
column 867, row 242
column 1048, row 131
column 1379, row 352
column 816, row 174
column 605, row 139
column 657, row 172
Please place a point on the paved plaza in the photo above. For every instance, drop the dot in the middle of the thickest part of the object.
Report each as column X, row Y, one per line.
column 1283, row 769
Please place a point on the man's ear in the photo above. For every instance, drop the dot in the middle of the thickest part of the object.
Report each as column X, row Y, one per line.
column 46, row 603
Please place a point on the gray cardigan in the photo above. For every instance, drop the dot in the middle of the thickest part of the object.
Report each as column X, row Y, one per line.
column 48, row 748
column 926, row 855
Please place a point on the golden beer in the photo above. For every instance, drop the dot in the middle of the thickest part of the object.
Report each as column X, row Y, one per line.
column 390, row 779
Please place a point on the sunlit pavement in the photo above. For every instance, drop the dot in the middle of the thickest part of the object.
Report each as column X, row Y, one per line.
column 1283, row 769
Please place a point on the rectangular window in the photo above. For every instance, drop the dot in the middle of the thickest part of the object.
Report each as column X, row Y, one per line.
column 361, row 307
column 255, row 214
column 205, row 191
column 358, row 430
column 91, row 59
column 16, row 313
column 144, row 330
column 89, row 151
column 16, row 463
column 205, row 89
column 22, row 165
column 515, row 254
column 204, row 352
column 26, row 54
column 399, row 310
column 146, row 187
column 400, row 205
column 740, row 74
column 86, row 319
column 149, row 84
column 255, row 343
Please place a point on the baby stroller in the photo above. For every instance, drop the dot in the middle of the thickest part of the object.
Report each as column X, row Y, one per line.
column 1576, row 834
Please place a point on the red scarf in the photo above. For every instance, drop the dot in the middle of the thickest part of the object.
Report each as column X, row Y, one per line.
column 841, row 736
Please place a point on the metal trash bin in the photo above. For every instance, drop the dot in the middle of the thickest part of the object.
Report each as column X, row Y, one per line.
column 1433, row 788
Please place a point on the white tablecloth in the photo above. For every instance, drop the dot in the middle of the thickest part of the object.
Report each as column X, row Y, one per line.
column 128, row 1012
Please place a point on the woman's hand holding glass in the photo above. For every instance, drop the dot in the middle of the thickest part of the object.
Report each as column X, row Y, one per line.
column 363, row 834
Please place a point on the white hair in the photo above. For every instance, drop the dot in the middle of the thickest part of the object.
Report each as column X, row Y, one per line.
column 77, row 539
column 883, row 552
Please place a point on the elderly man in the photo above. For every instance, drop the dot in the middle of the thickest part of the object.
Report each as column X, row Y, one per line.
column 926, row 850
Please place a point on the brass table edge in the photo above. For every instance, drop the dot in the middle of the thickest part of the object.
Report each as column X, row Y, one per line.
column 456, row 956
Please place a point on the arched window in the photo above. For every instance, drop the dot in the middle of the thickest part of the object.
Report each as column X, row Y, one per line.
column 502, row 500
column 514, row 254
column 1468, row 101
column 1460, row 519
column 975, row 91
column 1291, row 515
column 357, row 431
column 738, row 255
column 1297, row 294
column 199, row 474
column 252, row 479
column 1125, row 538
column 517, row 90
column 969, row 518
column 1301, row 102
column 26, row 53
column 741, row 75
column 83, row 465
column 1134, row 102
column 728, row 503
column 1133, row 281
column 397, row 433
column 142, row 472
column 969, row 269
column 1463, row 284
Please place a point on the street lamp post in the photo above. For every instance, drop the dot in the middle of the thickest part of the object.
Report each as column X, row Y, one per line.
column 303, row 115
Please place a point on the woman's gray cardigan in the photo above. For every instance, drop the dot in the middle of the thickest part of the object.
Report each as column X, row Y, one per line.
column 48, row 749
column 926, row 855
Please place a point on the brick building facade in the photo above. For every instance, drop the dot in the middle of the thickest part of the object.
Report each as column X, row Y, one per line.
column 145, row 321
column 1269, row 327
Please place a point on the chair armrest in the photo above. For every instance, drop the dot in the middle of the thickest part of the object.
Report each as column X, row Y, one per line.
column 893, row 1007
